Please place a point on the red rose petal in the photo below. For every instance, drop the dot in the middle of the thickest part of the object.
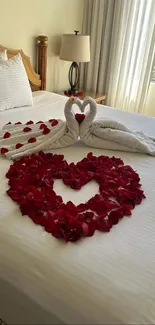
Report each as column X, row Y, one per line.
column 54, row 123
column 8, row 123
column 115, row 215
column 42, row 126
column 27, row 129
column 92, row 228
column 4, row 150
column 126, row 210
column 46, row 131
column 19, row 145
column 6, row 135
column 89, row 155
column 29, row 122
column 14, row 195
column 31, row 140
column 85, row 229
column 39, row 122
column 104, row 225
column 18, row 123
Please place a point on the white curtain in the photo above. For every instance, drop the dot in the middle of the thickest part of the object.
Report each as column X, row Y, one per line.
column 122, row 34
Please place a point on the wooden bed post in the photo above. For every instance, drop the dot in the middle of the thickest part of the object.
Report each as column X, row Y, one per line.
column 42, row 59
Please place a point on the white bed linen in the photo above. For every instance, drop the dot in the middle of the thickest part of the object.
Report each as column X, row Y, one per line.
column 106, row 279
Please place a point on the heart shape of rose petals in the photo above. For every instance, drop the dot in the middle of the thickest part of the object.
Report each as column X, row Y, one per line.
column 31, row 182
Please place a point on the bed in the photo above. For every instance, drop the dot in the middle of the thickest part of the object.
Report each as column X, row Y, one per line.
column 105, row 279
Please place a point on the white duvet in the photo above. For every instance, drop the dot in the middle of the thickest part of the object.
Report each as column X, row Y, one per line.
column 106, row 279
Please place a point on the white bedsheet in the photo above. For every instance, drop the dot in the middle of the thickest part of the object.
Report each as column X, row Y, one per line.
column 106, row 279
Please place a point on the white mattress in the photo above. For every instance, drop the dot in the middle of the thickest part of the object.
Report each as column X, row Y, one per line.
column 106, row 279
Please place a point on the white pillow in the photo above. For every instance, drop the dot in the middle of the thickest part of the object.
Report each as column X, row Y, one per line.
column 3, row 55
column 15, row 89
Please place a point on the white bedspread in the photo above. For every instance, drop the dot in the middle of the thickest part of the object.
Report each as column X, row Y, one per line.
column 106, row 279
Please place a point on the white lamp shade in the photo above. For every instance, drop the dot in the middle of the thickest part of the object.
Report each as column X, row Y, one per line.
column 75, row 48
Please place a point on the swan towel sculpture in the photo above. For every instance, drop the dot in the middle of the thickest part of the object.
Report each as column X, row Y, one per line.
column 17, row 140
column 110, row 134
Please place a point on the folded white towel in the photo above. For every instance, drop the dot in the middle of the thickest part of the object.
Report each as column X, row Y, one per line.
column 17, row 140
column 112, row 135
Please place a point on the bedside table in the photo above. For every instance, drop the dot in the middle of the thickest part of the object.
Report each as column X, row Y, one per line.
column 99, row 98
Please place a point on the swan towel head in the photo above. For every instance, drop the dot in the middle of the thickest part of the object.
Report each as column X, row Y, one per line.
column 75, row 100
column 72, row 99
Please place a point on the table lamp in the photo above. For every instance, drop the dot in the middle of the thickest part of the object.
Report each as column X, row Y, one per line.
column 75, row 48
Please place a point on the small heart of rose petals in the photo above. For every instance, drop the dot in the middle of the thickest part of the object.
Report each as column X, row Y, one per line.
column 80, row 117
column 39, row 122
column 19, row 145
column 46, row 131
column 6, row 135
column 27, row 129
column 42, row 126
column 54, row 123
column 4, row 150
column 8, row 123
column 18, row 123
column 29, row 122
column 31, row 140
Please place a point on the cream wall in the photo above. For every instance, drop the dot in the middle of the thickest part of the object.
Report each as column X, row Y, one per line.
column 22, row 20
column 150, row 101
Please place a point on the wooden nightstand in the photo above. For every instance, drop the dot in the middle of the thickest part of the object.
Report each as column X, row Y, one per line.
column 99, row 98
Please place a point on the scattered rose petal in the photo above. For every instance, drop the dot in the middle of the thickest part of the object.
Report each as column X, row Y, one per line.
column 42, row 126
column 54, row 123
column 31, row 140
column 46, row 131
column 27, row 129
column 19, row 145
column 29, row 122
column 8, row 123
column 6, row 135
column 39, row 122
column 17, row 123
column 4, row 150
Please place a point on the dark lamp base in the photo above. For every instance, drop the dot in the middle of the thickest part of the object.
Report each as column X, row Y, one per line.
column 73, row 77
column 73, row 91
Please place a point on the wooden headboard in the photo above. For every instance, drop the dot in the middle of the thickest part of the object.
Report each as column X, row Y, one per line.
column 37, row 79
